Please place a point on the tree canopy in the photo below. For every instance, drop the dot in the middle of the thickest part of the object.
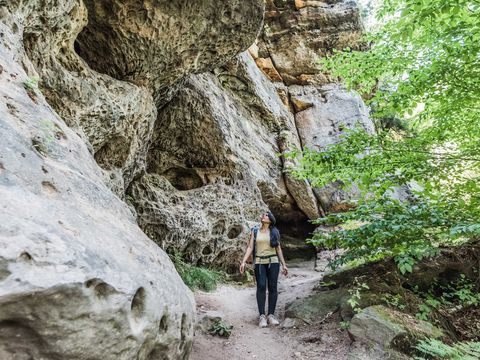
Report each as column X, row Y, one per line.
column 420, row 76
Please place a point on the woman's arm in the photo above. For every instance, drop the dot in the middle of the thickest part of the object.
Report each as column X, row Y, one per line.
column 282, row 260
column 247, row 253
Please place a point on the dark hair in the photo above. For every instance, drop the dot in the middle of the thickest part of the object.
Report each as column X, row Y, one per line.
column 274, row 233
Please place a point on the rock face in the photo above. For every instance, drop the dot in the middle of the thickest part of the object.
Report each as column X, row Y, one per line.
column 212, row 167
column 298, row 33
column 149, row 102
column 331, row 110
column 156, row 43
column 148, row 45
column 78, row 277
column 73, row 262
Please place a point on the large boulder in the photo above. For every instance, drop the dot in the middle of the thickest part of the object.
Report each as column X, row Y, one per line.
column 317, row 306
column 324, row 112
column 298, row 33
column 78, row 278
column 390, row 329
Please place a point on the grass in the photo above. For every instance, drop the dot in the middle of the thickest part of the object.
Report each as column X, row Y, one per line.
column 31, row 86
column 197, row 277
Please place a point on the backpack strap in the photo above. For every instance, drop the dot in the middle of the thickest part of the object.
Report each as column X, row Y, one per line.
column 255, row 230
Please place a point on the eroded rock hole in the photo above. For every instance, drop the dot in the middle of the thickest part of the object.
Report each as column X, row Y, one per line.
column 25, row 256
column 218, row 228
column 94, row 42
column 101, row 289
column 207, row 250
column 234, row 231
column 113, row 154
column 183, row 179
column 48, row 187
column 138, row 303
column 163, row 327
column 184, row 327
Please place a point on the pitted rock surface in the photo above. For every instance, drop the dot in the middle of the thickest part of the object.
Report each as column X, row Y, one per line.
column 74, row 264
column 156, row 43
column 212, row 167
column 150, row 45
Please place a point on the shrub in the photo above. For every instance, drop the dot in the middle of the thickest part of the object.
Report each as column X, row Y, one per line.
column 197, row 277
column 221, row 328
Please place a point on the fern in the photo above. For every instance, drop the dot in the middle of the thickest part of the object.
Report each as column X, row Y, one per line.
column 435, row 349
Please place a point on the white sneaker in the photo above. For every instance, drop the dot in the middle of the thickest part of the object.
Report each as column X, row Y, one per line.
column 272, row 320
column 263, row 321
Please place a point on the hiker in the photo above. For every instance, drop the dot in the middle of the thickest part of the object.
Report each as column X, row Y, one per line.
column 264, row 244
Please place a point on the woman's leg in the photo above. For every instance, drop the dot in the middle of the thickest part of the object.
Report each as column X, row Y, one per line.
column 272, row 275
column 261, row 279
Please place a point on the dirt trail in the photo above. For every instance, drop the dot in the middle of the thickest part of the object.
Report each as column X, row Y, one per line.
column 248, row 341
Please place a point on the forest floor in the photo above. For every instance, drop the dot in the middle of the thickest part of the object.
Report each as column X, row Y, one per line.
column 248, row 341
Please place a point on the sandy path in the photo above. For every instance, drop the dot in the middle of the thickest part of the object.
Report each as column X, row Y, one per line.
column 248, row 341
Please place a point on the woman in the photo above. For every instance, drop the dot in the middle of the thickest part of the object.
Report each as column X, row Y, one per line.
column 264, row 242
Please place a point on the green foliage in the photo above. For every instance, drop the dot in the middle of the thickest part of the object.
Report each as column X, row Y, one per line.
column 248, row 276
column 196, row 277
column 31, row 85
column 460, row 293
column 355, row 294
column 435, row 349
column 420, row 75
column 327, row 283
column 221, row 328
column 394, row 301
column 345, row 325
column 47, row 127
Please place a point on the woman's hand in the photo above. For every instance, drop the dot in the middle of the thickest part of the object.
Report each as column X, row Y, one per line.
column 284, row 269
column 242, row 267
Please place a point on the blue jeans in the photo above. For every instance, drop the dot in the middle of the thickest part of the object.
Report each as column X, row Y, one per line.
column 267, row 275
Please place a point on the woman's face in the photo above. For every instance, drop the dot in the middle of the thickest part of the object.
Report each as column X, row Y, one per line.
column 264, row 218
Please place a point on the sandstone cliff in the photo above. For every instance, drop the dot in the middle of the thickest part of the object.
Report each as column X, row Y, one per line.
column 213, row 163
column 151, row 115
column 78, row 278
